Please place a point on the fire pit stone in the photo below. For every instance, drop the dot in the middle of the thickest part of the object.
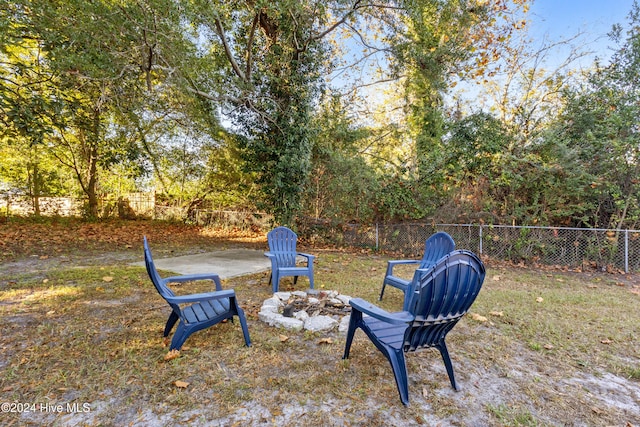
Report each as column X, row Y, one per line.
column 314, row 310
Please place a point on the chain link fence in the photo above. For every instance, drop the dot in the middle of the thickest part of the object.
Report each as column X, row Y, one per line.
column 602, row 249
column 232, row 220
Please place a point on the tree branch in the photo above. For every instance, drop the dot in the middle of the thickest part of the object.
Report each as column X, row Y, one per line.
column 252, row 34
column 354, row 8
column 227, row 51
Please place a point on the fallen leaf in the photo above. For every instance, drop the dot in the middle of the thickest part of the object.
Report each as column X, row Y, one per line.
column 99, row 289
column 181, row 384
column 548, row 346
column 539, row 299
column 172, row 354
column 44, row 257
column 496, row 278
column 283, row 338
column 606, row 341
column 477, row 317
column 497, row 313
column 45, row 281
column 596, row 410
column 425, row 392
column 107, row 278
column 8, row 388
column 325, row 341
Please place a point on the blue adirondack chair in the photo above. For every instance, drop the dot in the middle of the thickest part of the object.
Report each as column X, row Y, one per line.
column 282, row 253
column 436, row 246
column 433, row 305
column 196, row 311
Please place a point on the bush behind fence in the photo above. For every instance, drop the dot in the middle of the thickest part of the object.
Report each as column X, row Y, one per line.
column 603, row 249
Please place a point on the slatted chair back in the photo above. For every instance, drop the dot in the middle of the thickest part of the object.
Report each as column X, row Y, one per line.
column 435, row 247
column 441, row 297
column 157, row 281
column 282, row 243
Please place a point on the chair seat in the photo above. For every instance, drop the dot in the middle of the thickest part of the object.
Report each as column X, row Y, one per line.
column 206, row 310
column 389, row 334
column 291, row 271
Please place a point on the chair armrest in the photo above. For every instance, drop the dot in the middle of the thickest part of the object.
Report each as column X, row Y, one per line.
column 398, row 318
column 269, row 255
column 229, row 293
column 309, row 257
column 393, row 263
column 195, row 277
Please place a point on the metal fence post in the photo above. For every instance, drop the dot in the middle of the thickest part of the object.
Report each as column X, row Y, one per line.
column 626, row 251
column 480, row 239
column 377, row 238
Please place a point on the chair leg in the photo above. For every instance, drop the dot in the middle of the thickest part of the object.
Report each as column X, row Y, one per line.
column 275, row 279
column 295, row 280
column 356, row 317
column 171, row 321
column 243, row 324
column 181, row 335
column 382, row 291
column 399, row 366
column 447, row 363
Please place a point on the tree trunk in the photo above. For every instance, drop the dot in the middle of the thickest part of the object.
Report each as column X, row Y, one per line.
column 36, row 189
column 92, row 166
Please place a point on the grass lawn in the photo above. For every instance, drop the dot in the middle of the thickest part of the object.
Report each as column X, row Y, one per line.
column 81, row 344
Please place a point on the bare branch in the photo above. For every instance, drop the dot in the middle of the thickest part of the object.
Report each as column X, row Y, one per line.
column 227, row 50
column 341, row 21
column 252, row 34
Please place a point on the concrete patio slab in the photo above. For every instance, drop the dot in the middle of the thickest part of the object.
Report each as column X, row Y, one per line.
column 227, row 263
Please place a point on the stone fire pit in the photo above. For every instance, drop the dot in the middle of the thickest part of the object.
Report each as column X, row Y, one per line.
column 313, row 310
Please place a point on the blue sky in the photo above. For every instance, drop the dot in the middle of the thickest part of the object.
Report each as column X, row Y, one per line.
column 564, row 18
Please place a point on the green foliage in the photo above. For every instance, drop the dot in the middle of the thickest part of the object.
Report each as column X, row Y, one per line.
column 400, row 198
column 220, row 103
column 271, row 65
column 600, row 124
column 342, row 186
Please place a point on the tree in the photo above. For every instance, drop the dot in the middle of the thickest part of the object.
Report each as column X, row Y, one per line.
column 343, row 186
column 443, row 42
column 269, row 56
column 600, row 124
column 29, row 108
